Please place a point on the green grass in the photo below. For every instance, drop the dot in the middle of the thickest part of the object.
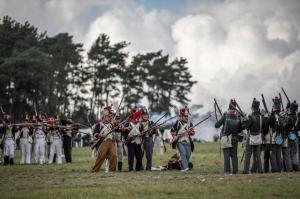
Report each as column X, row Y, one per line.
column 205, row 181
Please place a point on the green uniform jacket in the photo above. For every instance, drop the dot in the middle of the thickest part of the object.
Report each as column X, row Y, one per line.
column 253, row 124
column 221, row 122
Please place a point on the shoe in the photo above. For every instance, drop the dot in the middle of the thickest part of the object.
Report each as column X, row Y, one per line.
column 6, row 160
column 120, row 166
column 184, row 170
column 11, row 161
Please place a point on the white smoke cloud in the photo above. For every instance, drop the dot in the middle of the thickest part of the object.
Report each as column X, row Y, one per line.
column 235, row 48
column 240, row 48
column 145, row 30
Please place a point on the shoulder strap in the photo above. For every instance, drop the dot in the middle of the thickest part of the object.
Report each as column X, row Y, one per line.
column 295, row 126
column 225, row 125
column 260, row 124
column 178, row 126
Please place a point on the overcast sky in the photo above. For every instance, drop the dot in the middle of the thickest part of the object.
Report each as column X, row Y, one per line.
column 235, row 48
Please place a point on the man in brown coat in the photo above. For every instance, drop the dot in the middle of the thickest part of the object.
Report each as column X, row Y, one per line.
column 107, row 149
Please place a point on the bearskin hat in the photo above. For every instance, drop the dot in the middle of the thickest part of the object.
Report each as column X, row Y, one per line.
column 255, row 104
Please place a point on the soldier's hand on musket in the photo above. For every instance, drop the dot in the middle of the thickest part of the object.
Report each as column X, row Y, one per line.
column 128, row 128
column 96, row 135
column 191, row 131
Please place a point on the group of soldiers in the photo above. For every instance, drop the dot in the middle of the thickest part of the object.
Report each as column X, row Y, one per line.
column 38, row 137
column 137, row 132
column 275, row 134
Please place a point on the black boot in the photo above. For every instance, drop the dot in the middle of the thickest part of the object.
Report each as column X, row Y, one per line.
column 120, row 166
column 6, row 160
column 295, row 167
column 11, row 161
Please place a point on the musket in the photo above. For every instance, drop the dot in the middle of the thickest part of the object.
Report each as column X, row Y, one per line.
column 156, row 122
column 217, row 105
column 264, row 103
column 285, row 95
column 197, row 124
column 83, row 125
column 281, row 101
column 118, row 109
column 158, row 125
column 111, row 130
column 266, row 108
column 243, row 155
column 215, row 111
column 2, row 112
column 240, row 110
column 160, row 119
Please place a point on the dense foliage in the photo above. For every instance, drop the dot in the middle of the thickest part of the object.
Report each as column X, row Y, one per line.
column 50, row 73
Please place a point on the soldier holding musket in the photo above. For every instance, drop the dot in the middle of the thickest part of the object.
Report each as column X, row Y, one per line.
column 26, row 133
column 231, row 129
column 107, row 148
column 256, row 127
column 134, row 139
column 147, row 136
column 181, row 132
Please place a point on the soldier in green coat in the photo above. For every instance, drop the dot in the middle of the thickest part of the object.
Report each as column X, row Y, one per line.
column 255, row 124
column 292, row 133
column 231, row 129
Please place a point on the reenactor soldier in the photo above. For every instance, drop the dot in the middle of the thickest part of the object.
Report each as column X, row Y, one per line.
column 134, row 140
column 67, row 138
column 26, row 133
column 274, row 135
column 107, row 149
column 284, row 123
column 232, row 127
column 181, row 133
column 256, row 128
column 55, row 140
column 39, row 141
column 8, row 133
column 147, row 135
column 117, row 127
column 292, row 134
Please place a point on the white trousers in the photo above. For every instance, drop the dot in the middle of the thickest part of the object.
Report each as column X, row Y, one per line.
column 9, row 148
column 39, row 150
column 56, row 146
column 25, row 151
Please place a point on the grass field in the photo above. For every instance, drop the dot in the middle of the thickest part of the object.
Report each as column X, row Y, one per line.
column 206, row 180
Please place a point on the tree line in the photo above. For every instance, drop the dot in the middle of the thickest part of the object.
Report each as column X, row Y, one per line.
column 54, row 74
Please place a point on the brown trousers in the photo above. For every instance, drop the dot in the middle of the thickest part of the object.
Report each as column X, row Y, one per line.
column 107, row 150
